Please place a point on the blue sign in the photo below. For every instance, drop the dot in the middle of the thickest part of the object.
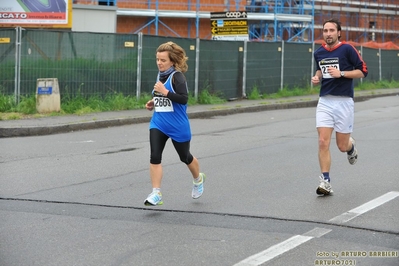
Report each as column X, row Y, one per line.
column 44, row 90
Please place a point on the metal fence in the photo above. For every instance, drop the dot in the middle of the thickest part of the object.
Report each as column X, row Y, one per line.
column 99, row 64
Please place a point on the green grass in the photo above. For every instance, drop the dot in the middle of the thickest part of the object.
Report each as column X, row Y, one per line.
column 205, row 97
column 296, row 91
column 383, row 84
column 287, row 92
column 254, row 94
column 80, row 105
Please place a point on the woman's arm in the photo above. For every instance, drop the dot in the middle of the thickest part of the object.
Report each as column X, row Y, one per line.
column 180, row 87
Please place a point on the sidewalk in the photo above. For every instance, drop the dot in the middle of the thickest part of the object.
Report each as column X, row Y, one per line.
column 69, row 123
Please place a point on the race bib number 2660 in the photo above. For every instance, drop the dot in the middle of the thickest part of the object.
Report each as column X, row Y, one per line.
column 163, row 104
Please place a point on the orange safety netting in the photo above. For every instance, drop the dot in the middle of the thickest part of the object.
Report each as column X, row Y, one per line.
column 371, row 44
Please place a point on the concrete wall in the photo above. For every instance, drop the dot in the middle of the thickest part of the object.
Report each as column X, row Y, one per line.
column 94, row 18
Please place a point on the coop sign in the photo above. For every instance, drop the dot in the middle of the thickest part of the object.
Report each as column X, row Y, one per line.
column 231, row 26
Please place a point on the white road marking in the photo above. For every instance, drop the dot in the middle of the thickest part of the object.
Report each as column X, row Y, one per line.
column 274, row 251
column 317, row 232
column 347, row 216
column 282, row 247
column 82, row 141
column 297, row 240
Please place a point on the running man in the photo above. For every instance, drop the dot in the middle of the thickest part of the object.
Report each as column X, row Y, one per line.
column 338, row 63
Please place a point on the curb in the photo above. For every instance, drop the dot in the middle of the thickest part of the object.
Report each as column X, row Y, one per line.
column 57, row 129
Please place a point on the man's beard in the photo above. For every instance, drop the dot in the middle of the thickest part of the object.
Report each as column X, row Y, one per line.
column 330, row 41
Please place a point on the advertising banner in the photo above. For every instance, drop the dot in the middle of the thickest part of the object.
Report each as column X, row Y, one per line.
column 36, row 13
column 230, row 25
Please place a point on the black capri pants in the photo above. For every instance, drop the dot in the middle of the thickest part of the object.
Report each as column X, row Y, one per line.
column 157, row 144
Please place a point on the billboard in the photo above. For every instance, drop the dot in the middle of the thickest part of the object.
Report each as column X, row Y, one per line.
column 230, row 25
column 36, row 13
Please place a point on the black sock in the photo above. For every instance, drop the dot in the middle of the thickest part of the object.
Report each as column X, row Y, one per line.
column 351, row 150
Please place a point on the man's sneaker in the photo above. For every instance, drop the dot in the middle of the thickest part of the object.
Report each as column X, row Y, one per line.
column 324, row 187
column 198, row 188
column 352, row 158
column 155, row 198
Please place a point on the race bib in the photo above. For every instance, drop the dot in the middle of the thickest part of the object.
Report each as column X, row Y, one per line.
column 326, row 63
column 163, row 104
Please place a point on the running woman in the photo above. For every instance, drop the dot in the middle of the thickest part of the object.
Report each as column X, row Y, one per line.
column 338, row 63
column 170, row 120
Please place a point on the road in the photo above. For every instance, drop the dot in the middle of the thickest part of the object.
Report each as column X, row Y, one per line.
column 77, row 198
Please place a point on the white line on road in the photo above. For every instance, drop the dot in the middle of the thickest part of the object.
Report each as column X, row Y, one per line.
column 347, row 216
column 297, row 240
column 282, row 247
column 274, row 251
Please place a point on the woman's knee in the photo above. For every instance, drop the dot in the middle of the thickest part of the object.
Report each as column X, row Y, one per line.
column 155, row 159
column 187, row 159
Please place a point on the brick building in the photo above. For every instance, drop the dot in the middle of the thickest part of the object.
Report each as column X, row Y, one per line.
column 362, row 21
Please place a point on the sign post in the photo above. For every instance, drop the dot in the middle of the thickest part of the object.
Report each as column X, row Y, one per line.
column 231, row 26
column 48, row 95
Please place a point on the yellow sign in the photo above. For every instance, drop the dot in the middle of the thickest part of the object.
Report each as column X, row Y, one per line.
column 229, row 25
column 229, row 31
column 129, row 44
column 235, row 23
column 4, row 40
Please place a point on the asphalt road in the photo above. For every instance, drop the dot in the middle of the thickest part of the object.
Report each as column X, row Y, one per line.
column 77, row 198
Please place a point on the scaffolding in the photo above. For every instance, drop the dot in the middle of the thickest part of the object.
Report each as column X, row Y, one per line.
column 361, row 21
column 269, row 20
column 273, row 20
column 291, row 21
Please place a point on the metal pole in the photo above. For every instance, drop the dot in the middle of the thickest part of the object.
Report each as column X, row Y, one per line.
column 16, row 67
column 361, row 53
column 196, row 78
column 17, row 85
column 244, row 70
column 197, row 19
column 156, row 19
column 139, row 60
column 379, row 63
column 312, row 64
column 282, row 66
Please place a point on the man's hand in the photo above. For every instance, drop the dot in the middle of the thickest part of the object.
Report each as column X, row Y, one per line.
column 315, row 80
column 335, row 73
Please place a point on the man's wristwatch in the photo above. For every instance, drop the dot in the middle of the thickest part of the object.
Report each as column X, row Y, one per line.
column 342, row 74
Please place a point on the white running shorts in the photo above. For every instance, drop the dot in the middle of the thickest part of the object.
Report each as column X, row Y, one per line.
column 335, row 112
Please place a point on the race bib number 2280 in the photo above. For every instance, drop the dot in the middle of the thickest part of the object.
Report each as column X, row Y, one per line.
column 163, row 104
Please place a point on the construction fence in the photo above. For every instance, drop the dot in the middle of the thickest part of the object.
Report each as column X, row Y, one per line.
column 88, row 64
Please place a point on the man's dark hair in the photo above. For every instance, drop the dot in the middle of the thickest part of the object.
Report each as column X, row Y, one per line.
column 336, row 22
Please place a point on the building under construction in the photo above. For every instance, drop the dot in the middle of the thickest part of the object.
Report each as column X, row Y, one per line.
column 268, row 20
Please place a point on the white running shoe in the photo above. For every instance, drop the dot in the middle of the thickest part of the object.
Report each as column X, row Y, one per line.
column 324, row 187
column 352, row 158
column 155, row 198
column 198, row 188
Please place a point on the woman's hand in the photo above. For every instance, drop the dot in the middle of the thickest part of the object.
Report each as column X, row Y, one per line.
column 160, row 88
column 150, row 105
